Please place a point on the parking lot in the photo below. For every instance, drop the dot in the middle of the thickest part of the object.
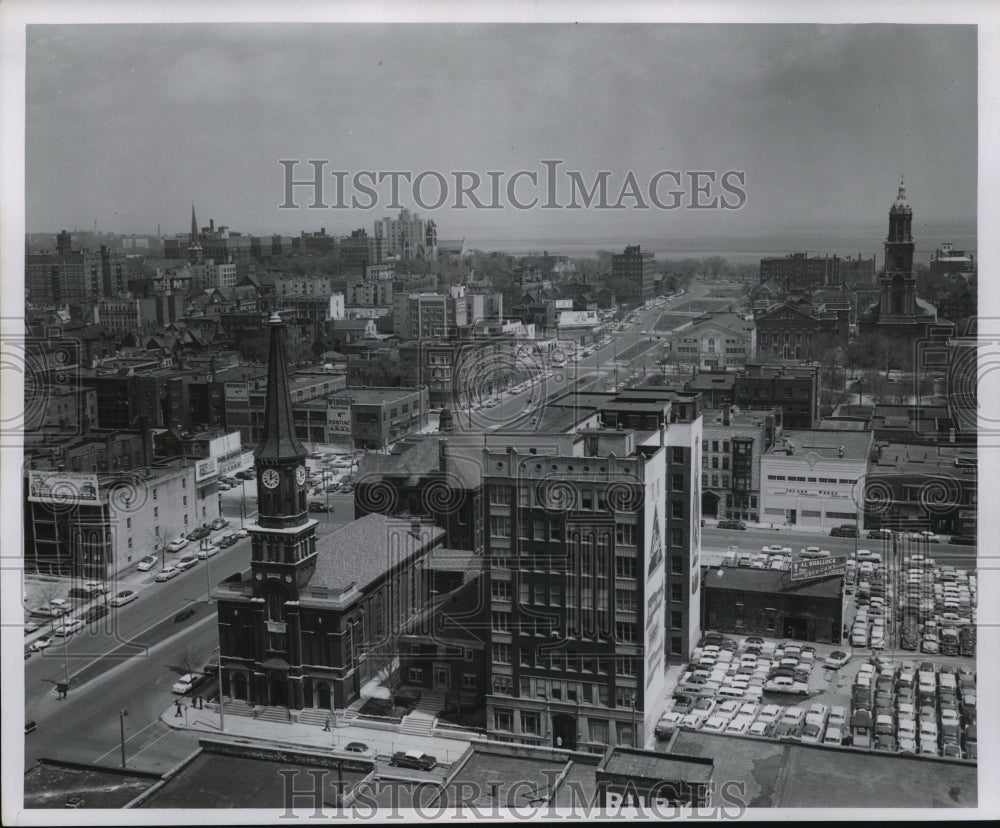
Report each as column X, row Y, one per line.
column 825, row 695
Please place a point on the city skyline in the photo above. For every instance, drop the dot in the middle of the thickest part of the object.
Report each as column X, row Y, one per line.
column 839, row 105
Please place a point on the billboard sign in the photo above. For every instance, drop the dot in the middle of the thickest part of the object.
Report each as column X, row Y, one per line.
column 653, row 636
column 804, row 570
column 237, row 391
column 203, row 469
column 63, row 488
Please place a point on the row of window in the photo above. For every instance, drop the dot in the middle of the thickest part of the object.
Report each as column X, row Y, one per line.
column 715, row 462
column 842, row 481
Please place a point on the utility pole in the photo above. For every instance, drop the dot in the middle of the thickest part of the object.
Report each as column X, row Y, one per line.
column 222, row 716
column 121, row 721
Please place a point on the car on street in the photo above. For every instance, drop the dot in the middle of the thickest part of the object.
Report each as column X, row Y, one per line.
column 40, row 644
column 207, row 551
column 356, row 747
column 147, row 563
column 124, row 597
column 177, row 544
column 219, row 523
column 69, row 627
column 199, row 533
column 316, row 506
column 95, row 613
column 187, row 562
column 879, row 533
column 731, row 524
column 415, row 759
column 185, row 683
column 166, row 574
column 837, row 659
column 226, row 540
column 845, row 531
column 184, row 614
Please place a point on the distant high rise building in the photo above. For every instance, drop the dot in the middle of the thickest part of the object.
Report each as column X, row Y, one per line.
column 638, row 268
column 404, row 236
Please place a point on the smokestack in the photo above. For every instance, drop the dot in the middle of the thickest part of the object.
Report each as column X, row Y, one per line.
column 211, row 225
column 725, row 415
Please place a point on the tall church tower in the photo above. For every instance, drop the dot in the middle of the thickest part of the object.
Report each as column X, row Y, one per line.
column 898, row 284
column 283, row 539
column 194, row 246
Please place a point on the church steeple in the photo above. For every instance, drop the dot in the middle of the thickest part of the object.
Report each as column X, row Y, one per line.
column 280, row 456
column 194, row 247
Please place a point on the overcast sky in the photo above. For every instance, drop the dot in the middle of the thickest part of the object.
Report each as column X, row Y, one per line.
column 128, row 125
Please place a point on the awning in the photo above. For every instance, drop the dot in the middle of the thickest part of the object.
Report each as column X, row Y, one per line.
column 275, row 664
column 375, row 690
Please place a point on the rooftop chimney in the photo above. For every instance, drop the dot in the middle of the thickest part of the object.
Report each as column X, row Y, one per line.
column 725, row 415
column 443, row 456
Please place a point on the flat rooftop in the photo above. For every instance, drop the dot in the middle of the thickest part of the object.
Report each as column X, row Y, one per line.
column 747, row 579
column 643, row 764
column 919, row 459
column 782, row 775
column 826, row 443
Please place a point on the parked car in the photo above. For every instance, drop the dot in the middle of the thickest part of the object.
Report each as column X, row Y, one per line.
column 731, row 524
column 356, row 747
column 219, row 523
column 206, row 551
column 147, row 563
column 413, row 759
column 126, row 596
column 184, row 614
column 316, row 506
column 844, row 531
column 166, row 574
column 69, row 627
column 879, row 533
column 790, row 724
column 29, row 726
column 40, row 644
column 202, row 531
column 185, row 683
column 177, row 544
column 837, row 659
column 187, row 562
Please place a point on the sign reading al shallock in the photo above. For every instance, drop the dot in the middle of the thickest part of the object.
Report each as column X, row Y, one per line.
column 818, row 567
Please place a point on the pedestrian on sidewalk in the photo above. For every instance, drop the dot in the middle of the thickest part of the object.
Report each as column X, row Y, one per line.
column 177, row 713
column 326, row 727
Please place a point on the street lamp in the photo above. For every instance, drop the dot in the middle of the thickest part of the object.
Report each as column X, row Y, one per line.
column 121, row 721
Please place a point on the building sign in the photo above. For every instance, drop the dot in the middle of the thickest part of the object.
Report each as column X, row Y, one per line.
column 654, row 688
column 237, row 391
column 203, row 469
column 338, row 415
column 63, row 488
column 804, row 570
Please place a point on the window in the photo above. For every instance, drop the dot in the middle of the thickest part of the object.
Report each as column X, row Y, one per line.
column 531, row 723
column 677, row 455
column 539, row 527
column 725, row 481
column 130, row 543
column 715, row 462
column 501, row 590
column 128, row 523
column 416, row 675
column 587, row 499
column 625, row 567
column 625, row 600
column 500, row 527
column 156, row 511
column 677, row 509
column 725, row 446
column 625, row 632
column 555, row 595
column 540, row 594
column 501, row 621
column 503, row 720
column 625, row 534
column 704, row 480
column 677, row 482
column 624, row 696
column 502, row 685
column 715, row 445
column 185, row 500
column 624, row 666
column 725, row 464
column 676, row 645
column 501, row 653
column 525, row 655
column 676, row 592
column 715, row 481
column 677, row 565
column 469, row 681
column 154, row 493
column 598, row 731
column 677, row 619
column 500, row 495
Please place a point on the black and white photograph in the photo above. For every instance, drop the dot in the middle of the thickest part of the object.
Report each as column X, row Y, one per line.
column 550, row 412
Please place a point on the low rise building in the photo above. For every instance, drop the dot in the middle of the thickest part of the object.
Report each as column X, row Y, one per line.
column 815, row 478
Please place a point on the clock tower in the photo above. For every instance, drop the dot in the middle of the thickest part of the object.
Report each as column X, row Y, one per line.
column 284, row 537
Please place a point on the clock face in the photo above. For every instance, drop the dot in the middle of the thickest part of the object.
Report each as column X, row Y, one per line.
column 270, row 478
column 300, row 474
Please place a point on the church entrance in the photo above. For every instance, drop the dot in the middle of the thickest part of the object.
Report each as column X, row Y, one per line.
column 277, row 694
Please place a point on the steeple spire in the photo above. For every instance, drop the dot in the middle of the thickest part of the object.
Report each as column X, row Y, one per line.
column 194, row 228
column 280, row 442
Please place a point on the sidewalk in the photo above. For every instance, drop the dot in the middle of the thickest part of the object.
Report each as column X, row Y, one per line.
column 382, row 742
